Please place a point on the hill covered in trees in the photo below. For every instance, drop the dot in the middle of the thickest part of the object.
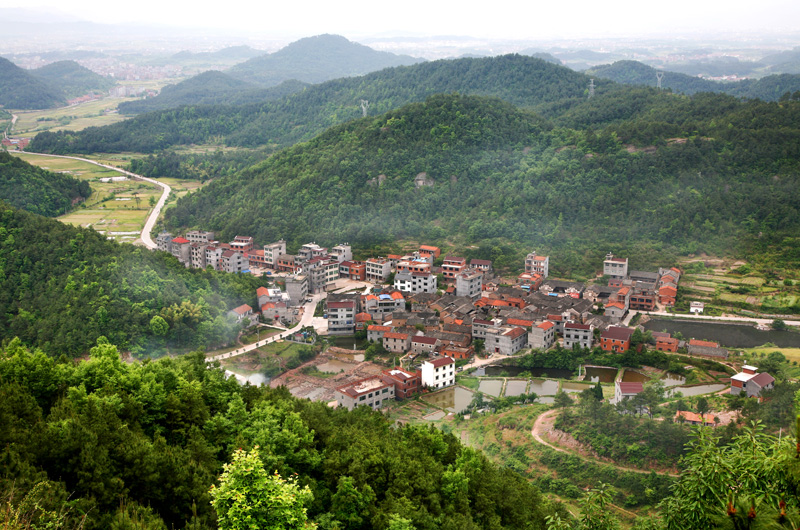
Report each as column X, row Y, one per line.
column 37, row 190
column 524, row 81
column 62, row 287
column 316, row 59
column 712, row 174
column 22, row 90
column 770, row 88
column 210, row 88
column 72, row 79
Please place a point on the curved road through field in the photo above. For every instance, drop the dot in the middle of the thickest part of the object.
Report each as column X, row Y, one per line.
column 153, row 217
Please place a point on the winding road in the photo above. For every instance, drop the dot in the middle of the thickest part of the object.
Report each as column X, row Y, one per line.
column 152, row 217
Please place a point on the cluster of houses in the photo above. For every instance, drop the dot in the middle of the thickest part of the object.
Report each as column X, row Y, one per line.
column 15, row 143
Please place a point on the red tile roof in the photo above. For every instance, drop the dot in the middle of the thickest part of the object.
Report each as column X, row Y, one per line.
column 762, row 379
column 694, row 417
column 347, row 304
column 375, row 327
column 514, row 332
column 441, row 361
column 519, row 322
column 572, row 325
column 242, row 309
column 180, row 240
column 630, row 388
column 704, row 343
column 363, row 317
column 545, row 325
column 617, row 332
column 262, row 291
column 393, row 335
column 424, row 340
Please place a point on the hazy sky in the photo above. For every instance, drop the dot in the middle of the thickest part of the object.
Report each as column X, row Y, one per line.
column 516, row 19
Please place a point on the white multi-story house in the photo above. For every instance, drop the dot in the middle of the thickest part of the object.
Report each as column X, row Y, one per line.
column 439, row 372
column 580, row 334
column 371, row 392
column 272, row 251
column 378, row 269
column 342, row 317
column 542, row 336
column 342, row 252
column 538, row 264
column 616, row 268
column 469, row 283
column 415, row 282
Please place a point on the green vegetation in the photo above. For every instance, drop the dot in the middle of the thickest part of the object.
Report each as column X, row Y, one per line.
column 36, row 190
column 62, row 287
column 20, row 89
column 72, row 79
column 106, row 440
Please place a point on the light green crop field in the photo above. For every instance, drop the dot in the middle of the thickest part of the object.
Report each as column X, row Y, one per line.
column 75, row 118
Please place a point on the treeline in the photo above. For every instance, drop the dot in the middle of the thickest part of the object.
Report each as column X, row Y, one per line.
column 523, row 81
column 37, row 190
column 500, row 173
column 62, row 287
column 105, row 444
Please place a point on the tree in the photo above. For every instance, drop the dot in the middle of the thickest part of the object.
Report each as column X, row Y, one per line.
column 778, row 324
column 562, row 399
column 595, row 514
column 248, row 498
column 159, row 326
column 702, row 405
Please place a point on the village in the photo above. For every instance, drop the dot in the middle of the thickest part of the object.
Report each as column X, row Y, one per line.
column 435, row 315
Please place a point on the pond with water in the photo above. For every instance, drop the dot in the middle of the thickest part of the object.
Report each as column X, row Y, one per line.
column 453, row 399
column 569, row 386
column 730, row 335
column 544, row 388
column 632, row 376
column 697, row 390
column 672, row 380
column 492, row 387
column 602, row 374
column 516, row 387
column 514, row 371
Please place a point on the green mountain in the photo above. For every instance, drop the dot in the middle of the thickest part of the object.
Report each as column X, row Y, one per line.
column 317, row 59
column 21, row 90
column 524, row 81
column 770, row 88
column 72, row 79
column 210, row 88
column 719, row 172
column 37, row 190
column 62, row 287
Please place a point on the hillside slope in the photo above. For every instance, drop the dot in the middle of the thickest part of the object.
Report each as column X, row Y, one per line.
column 21, row 90
column 37, row 190
column 524, row 81
column 315, row 60
column 72, row 79
column 499, row 172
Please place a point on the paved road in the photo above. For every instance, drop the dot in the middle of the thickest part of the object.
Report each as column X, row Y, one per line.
column 307, row 320
column 153, row 217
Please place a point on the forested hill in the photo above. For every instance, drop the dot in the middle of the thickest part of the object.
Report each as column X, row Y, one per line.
column 37, row 190
column 21, row 90
column 316, row 59
column 62, row 287
column 500, row 174
column 770, row 88
column 524, row 81
column 103, row 444
column 210, row 88
column 72, row 79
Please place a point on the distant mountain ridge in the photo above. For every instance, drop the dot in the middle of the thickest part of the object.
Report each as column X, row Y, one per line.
column 315, row 60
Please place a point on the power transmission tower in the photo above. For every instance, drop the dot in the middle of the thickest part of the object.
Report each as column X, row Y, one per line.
column 591, row 88
column 364, row 107
column 659, row 77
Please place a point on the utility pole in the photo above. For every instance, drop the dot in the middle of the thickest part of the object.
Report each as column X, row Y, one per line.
column 659, row 77
column 591, row 88
column 364, row 107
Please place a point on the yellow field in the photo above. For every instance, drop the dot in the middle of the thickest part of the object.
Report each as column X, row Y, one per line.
column 792, row 354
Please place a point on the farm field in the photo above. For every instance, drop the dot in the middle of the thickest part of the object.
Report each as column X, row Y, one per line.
column 118, row 209
column 74, row 118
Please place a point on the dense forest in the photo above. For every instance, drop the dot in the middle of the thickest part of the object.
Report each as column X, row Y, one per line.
column 20, row 89
column 210, row 88
column 107, row 444
column 523, row 81
column 769, row 88
column 72, row 79
column 316, row 59
column 62, row 287
column 37, row 190
column 713, row 173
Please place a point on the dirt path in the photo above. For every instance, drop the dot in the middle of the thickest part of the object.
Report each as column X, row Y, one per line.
column 544, row 425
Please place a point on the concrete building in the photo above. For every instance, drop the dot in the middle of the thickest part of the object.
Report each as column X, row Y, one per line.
column 380, row 307
column 242, row 312
column 297, row 288
column 375, row 332
column 396, row 342
column 451, row 266
column 438, row 373
column 371, row 392
column 483, row 265
column 624, row 390
column 164, row 242
column 750, row 382
column 311, row 250
column 469, row 283
column 580, row 334
column 615, row 267
column 197, row 252
column 181, row 249
column 242, row 244
column 423, row 345
column 353, row 270
column 537, row 264
column 406, row 384
column 288, row 263
column 542, row 336
column 415, row 282
column 342, row 252
column 378, row 269
column 272, row 251
column 505, row 340
column 199, row 236
column 214, row 257
column 234, row 261
column 342, row 317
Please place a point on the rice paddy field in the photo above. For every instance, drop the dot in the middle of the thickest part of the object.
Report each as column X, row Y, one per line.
column 74, row 118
